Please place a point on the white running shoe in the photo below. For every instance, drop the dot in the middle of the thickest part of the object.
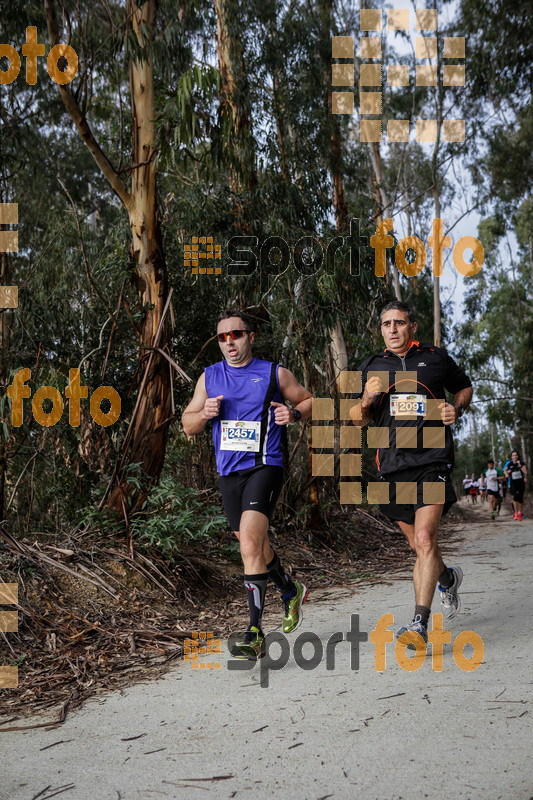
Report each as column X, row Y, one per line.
column 449, row 599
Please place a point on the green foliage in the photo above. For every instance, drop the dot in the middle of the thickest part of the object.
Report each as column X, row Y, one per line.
column 174, row 515
column 272, row 178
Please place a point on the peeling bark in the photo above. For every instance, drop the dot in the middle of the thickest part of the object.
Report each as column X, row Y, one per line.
column 147, row 437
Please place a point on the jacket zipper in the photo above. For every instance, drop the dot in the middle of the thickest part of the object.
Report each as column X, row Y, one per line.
column 402, row 359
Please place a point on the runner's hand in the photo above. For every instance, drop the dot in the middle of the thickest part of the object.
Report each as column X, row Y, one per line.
column 373, row 387
column 282, row 414
column 212, row 406
column 448, row 413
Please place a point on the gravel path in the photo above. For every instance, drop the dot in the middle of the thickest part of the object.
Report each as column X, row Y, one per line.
column 316, row 734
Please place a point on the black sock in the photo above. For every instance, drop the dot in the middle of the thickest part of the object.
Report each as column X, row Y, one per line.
column 255, row 586
column 446, row 578
column 423, row 612
column 279, row 577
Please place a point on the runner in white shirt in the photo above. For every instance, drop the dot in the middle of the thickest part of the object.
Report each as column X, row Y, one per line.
column 494, row 477
column 483, row 488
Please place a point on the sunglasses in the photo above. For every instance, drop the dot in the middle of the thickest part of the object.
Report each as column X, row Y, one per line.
column 223, row 337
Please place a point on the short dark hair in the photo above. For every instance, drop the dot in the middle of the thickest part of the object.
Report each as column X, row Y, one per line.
column 234, row 312
column 397, row 304
column 490, row 461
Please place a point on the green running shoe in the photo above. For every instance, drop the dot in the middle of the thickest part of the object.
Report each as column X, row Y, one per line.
column 293, row 615
column 252, row 646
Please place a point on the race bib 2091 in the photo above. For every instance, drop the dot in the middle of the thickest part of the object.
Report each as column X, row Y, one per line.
column 408, row 405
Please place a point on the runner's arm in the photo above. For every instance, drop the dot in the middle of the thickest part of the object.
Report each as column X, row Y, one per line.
column 461, row 398
column 200, row 410
column 297, row 395
column 459, row 384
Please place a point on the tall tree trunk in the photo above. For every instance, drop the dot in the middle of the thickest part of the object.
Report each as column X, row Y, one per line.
column 338, row 346
column 436, row 280
column 384, row 209
column 235, row 94
column 439, row 105
column 339, row 354
column 146, row 440
column 5, row 280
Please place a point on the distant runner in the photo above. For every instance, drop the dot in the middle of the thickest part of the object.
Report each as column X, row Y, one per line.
column 483, row 488
column 244, row 398
column 474, row 485
column 416, row 461
column 517, row 473
column 501, row 497
column 466, row 485
column 494, row 478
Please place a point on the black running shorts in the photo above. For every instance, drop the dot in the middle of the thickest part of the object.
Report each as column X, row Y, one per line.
column 493, row 492
column 517, row 491
column 253, row 489
column 429, row 474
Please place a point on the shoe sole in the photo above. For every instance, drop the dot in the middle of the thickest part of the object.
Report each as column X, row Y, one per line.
column 300, row 612
column 243, row 657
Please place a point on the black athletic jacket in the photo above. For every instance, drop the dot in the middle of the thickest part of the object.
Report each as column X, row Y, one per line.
column 432, row 371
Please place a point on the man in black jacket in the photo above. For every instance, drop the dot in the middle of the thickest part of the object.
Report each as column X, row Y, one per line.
column 404, row 394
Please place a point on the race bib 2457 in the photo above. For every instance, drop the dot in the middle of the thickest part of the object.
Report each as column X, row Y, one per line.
column 240, row 434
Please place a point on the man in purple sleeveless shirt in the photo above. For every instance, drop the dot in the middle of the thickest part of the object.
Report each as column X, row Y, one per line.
column 244, row 398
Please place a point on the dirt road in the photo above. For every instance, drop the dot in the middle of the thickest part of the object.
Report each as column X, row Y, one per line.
column 320, row 733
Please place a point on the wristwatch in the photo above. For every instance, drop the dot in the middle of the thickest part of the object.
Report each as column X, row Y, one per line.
column 297, row 414
column 461, row 408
